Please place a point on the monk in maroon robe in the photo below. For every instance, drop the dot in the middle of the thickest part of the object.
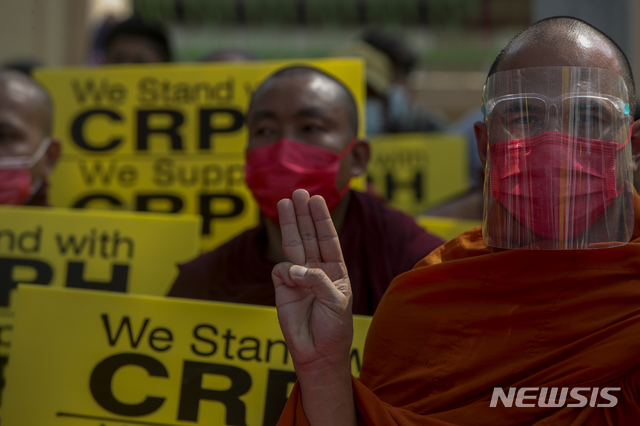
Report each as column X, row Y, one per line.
column 302, row 134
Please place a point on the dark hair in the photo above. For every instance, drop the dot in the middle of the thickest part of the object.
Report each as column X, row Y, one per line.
column 542, row 28
column 398, row 51
column 152, row 31
column 25, row 66
column 350, row 103
column 222, row 55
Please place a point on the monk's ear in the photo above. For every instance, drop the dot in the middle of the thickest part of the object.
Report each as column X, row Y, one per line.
column 52, row 155
column 635, row 144
column 482, row 140
column 361, row 153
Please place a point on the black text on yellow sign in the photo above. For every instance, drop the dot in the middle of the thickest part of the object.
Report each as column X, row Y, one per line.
column 131, row 359
column 164, row 138
column 415, row 171
column 114, row 251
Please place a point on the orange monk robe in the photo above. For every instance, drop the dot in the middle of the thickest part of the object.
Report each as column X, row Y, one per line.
column 469, row 318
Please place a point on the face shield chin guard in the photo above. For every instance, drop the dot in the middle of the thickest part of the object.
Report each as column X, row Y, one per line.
column 559, row 169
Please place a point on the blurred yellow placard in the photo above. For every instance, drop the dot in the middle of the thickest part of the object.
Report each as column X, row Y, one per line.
column 414, row 171
column 95, row 358
column 446, row 228
column 115, row 251
column 165, row 138
column 102, row 250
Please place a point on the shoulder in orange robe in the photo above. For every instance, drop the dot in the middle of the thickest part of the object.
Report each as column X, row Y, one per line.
column 470, row 318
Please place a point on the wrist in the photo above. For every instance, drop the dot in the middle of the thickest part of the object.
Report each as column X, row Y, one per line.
column 324, row 372
column 327, row 394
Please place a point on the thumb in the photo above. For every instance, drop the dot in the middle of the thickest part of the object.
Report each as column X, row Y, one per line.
column 321, row 285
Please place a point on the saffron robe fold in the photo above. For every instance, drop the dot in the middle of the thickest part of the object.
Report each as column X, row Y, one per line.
column 378, row 243
column 470, row 318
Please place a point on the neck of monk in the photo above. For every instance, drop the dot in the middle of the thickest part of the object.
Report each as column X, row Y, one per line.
column 274, row 237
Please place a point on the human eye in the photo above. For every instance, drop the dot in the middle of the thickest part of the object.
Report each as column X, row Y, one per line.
column 7, row 134
column 264, row 131
column 313, row 128
column 523, row 115
column 592, row 112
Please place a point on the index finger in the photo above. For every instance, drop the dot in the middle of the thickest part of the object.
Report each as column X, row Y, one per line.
column 291, row 242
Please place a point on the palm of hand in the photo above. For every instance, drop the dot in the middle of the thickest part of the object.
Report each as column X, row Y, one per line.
column 314, row 310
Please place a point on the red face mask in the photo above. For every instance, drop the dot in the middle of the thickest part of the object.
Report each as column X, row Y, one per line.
column 556, row 185
column 274, row 171
column 15, row 186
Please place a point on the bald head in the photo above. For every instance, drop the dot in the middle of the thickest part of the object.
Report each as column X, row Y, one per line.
column 30, row 97
column 566, row 41
column 330, row 85
column 25, row 127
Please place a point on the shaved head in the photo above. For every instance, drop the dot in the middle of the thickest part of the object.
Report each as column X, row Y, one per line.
column 20, row 88
column 567, row 34
column 346, row 100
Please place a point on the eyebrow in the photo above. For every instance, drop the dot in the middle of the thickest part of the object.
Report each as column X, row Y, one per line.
column 313, row 112
column 7, row 125
column 521, row 106
column 263, row 114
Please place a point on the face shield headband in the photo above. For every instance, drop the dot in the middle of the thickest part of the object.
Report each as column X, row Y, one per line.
column 558, row 159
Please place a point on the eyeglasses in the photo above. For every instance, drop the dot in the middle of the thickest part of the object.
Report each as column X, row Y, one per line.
column 579, row 114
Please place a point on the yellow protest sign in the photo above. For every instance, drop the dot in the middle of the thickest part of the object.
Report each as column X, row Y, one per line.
column 167, row 138
column 92, row 358
column 115, row 251
column 102, row 250
column 414, row 171
column 446, row 228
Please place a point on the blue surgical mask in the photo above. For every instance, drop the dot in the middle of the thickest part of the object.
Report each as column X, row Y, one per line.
column 375, row 119
column 398, row 100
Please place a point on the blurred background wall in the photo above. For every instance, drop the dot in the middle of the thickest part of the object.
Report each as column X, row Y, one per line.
column 456, row 40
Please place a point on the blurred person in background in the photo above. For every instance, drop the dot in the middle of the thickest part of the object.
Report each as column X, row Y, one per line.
column 97, row 53
column 468, row 205
column 135, row 41
column 25, row 66
column 389, row 60
column 229, row 55
column 28, row 152
column 305, row 117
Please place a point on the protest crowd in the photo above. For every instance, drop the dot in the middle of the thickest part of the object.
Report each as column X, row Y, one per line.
column 237, row 213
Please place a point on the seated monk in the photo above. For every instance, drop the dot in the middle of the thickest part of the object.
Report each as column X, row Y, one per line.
column 533, row 319
column 302, row 126
column 28, row 153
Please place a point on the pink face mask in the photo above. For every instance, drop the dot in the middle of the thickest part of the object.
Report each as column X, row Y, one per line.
column 556, row 185
column 274, row 171
column 16, row 186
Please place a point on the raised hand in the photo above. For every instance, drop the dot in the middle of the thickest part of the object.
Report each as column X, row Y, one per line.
column 313, row 299
column 313, row 293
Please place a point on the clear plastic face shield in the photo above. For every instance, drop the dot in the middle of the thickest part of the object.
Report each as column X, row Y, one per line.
column 559, row 169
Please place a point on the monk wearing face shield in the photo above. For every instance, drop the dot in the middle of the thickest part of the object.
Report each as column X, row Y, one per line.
column 531, row 319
